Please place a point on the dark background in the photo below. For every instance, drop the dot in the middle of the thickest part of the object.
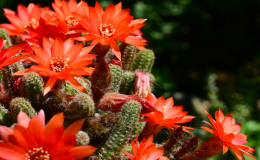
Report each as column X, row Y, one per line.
column 207, row 55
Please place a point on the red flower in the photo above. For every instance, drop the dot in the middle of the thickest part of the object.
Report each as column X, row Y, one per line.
column 31, row 139
column 146, row 150
column 27, row 18
column 68, row 13
column 227, row 131
column 6, row 54
column 105, row 27
column 167, row 115
column 60, row 60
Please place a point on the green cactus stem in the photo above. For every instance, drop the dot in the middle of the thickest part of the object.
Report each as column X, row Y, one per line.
column 32, row 89
column 121, row 131
column 138, row 129
column 127, row 83
column 144, row 61
column 129, row 53
column 69, row 90
column 81, row 107
column 82, row 138
column 21, row 104
column 5, row 35
column 116, row 75
column 5, row 116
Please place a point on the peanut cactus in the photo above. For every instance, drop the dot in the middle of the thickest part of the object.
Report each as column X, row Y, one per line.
column 21, row 104
column 129, row 53
column 116, row 75
column 32, row 89
column 121, row 131
column 5, row 116
column 144, row 61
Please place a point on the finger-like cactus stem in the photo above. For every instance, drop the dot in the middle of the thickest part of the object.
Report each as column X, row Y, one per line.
column 81, row 107
column 69, row 90
column 4, row 34
column 144, row 60
column 82, row 138
column 127, row 83
column 32, row 89
column 5, row 116
column 129, row 53
column 121, row 131
column 21, row 104
column 116, row 75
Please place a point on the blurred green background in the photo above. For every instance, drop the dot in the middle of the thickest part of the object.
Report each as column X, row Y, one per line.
column 207, row 55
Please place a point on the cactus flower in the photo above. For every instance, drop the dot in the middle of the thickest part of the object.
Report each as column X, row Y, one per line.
column 114, row 102
column 166, row 115
column 28, row 17
column 6, row 54
column 68, row 13
column 31, row 139
column 60, row 60
column 105, row 27
column 142, row 84
column 226, row 132
column 146, row 150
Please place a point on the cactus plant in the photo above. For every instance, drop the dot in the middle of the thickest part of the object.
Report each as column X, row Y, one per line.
column 116, row 75
column 121, row 131
column 128, row 56
column 127, row 83
column 5, row 116
column 32, row 89
column 21, row 104
column 144, row 61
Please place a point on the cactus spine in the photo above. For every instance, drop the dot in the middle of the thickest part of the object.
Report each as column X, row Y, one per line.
column 144, row 60
column 32, row 89
column 5, row 117
column 127, row 83
column 82, row 106
column 21, row 104
column 82, row 138
column 128, row 56
column 121, row 131
column 116, row 75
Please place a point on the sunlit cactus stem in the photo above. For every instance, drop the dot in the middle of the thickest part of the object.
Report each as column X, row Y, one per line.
column 121, row 131
column 5, row 116
column 127, row 83
column 32, row 89
column 129, row 53
column 81, row 107
column 144, row 60
column 5, row 35
column 21, row 104
column 116, row 75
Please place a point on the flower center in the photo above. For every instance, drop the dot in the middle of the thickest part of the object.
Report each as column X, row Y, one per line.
column 58, row 64
column 31, row 24
column 107, row 30
column 71, row 21
column 37, row 154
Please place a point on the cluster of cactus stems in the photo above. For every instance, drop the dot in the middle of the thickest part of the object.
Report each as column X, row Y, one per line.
column 113, row 103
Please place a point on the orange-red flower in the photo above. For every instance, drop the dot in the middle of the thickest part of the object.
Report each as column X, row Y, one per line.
column 105, row 27
column 6, row 54
column 31, row 139
column 60, row 60
column 28, row 17
column 68, row 13
column 167, row 115
column 146, row 150
column 227, row 131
